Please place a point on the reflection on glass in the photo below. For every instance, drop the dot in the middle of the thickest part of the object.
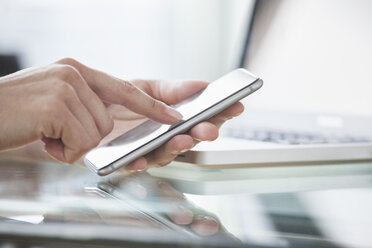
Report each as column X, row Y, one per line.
column 158, row 200
column 52, row 199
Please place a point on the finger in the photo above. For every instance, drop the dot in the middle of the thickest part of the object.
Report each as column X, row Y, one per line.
column 54, row 147
column 119, row 112
column 117, row 91
column 64, row 137
column 204, row 225
column 83, row 116
column 126, row 94
column 234, row 110
column 174, row 93
column 204, row 131
column 74, row 150
column 180, row 215
column 167, row 152
column 139, row 164
column 170, row 93
column 208, row 130
column 181, row 143
column 87, row 97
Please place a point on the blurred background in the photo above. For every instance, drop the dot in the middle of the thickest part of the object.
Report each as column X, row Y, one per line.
column 170, row 39
column 314, row 56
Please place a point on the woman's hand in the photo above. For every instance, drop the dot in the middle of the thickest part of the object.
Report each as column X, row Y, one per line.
column 65, row 105
column 71, row 108
column 169, row 93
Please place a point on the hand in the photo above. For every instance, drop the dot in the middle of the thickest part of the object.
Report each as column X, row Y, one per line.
column 65, row 105
column 170, row 94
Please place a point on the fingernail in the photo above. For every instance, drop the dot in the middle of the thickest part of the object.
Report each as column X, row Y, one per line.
column 238, row 114
column 232, row 116
column 131, row 170
column 181, row 215
column 142, row 168
column 205, row 225
column 203, row 217
column 179, row 152
column 185, row 211
column 174, row 113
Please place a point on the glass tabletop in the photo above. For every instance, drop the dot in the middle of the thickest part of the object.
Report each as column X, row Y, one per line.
column 51, row 205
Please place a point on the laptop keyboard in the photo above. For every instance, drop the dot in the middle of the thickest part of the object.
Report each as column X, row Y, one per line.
column 293, row 138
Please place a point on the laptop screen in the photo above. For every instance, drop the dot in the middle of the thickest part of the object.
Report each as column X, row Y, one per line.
column 314, row 56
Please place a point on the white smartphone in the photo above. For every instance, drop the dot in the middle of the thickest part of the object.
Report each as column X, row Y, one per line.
column 144, row 138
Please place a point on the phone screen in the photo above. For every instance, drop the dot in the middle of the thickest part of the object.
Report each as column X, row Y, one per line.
column 190, row 108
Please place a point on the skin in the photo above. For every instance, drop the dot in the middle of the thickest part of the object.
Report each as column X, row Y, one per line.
column 70, row 108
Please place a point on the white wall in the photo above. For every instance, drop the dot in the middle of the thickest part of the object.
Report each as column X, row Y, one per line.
column 171, row 39
column 314, row 56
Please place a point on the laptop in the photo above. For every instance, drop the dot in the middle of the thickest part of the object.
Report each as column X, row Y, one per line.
column 315, row 60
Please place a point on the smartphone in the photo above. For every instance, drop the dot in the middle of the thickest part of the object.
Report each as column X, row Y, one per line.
column 201, row 106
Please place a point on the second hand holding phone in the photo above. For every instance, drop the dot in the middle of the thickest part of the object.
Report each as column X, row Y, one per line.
column 144, row 138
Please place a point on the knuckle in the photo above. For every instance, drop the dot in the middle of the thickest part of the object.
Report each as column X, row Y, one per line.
column 68, row 61
column 128, row 87
column 153, row 103
column 62, row 90
column 157, row 106
column 66, row 73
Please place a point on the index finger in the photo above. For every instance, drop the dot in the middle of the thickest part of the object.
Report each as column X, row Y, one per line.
column 117, row 91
